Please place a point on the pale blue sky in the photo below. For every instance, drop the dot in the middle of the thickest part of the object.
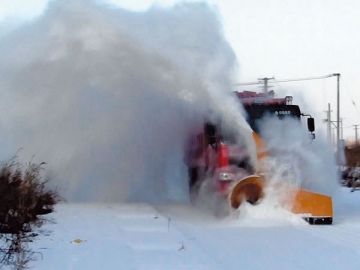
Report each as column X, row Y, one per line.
column 286, row 39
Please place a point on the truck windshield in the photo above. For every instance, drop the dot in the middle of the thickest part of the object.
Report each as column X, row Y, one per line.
column 256, row 112
column 228, row 135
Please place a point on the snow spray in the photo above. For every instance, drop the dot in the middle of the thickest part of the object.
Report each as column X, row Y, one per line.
column 106, row 96
column 308, row 164
column 295, row 161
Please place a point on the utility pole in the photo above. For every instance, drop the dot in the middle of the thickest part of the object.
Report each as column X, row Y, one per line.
column 265, row 81
column 328, row 122
column 356, row 134
column 338, row 118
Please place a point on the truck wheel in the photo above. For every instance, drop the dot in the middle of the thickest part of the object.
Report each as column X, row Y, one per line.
column 193, row 176
column 193, row 184
column 222, row 207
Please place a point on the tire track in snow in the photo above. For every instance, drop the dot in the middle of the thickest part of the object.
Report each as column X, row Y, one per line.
column 118, row 236
column 343, row 235
column 190, row 244
column 234, row 246
column 345, row 230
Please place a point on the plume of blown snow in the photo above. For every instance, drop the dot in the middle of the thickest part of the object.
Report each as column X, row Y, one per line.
column 294, row 160
column 308, row 164
column 107, row 96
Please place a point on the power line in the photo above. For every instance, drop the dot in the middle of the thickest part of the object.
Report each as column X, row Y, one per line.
column 247, row 83
column 307, row 79
column 352, row 100
column 289, row 80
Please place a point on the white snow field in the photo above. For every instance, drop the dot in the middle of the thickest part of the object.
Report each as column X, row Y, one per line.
column 178, row 236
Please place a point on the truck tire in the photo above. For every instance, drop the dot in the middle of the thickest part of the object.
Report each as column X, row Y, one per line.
column 222, row 207
column 193, row 177
column 194, row 184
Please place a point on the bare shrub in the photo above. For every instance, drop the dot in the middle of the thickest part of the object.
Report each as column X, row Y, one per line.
column 24, row 198
column 16, row 252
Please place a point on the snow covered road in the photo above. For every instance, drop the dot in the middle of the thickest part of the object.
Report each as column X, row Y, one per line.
column 141, row 236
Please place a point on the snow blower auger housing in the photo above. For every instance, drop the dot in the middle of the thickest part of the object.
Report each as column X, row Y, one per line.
column 214, row 154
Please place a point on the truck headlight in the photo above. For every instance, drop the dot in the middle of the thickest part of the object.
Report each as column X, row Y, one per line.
column 226, row 176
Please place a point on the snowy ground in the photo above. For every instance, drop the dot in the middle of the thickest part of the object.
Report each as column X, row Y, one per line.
column 142, row 236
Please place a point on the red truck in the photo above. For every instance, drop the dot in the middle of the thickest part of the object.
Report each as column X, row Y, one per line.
column 215, row 156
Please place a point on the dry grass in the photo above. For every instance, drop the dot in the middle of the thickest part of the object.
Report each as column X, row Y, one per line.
column 24, row 199
column 23, row 196
column 352, row 154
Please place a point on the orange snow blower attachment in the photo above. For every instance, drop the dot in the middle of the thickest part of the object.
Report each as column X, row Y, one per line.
column 313, row 207
column 249, row 189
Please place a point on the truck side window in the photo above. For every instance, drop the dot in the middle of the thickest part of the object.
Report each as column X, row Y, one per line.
column 210, row 131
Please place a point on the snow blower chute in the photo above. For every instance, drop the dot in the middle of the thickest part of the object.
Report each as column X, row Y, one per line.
column 214, row 154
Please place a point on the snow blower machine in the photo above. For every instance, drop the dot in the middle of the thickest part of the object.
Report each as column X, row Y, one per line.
column 214, row 156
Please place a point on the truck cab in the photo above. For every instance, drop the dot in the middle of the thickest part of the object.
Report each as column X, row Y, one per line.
column 215, row 150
